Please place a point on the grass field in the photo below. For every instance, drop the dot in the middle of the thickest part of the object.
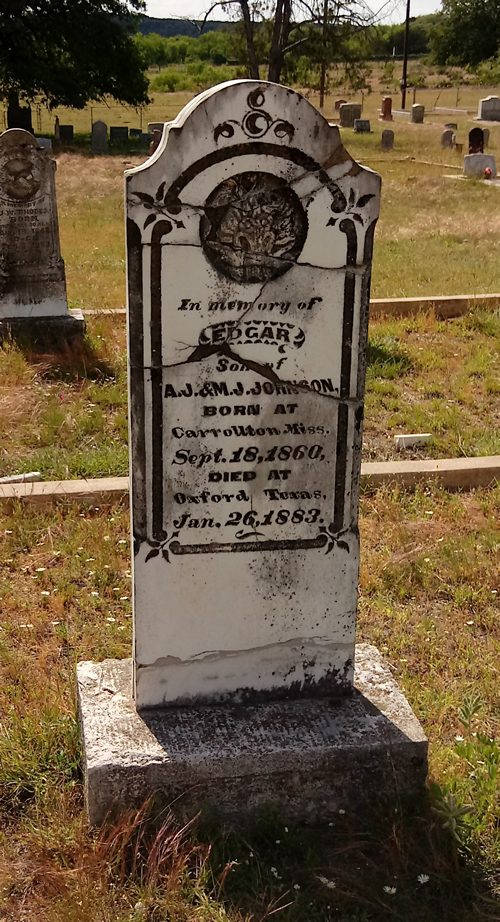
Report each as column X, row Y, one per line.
column 428, row 600
column 428, row 597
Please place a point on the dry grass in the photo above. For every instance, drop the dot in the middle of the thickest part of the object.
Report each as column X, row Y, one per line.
column 429, row 600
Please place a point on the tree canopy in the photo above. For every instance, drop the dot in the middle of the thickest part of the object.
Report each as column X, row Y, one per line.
column 67, row 52
column 468, row 32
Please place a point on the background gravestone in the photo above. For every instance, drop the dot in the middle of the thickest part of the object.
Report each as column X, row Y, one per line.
column 99, row 140
column 66, row 134
column 476, row 141
column 362, row 125
column 476, row 164
column 387, row 139
column 118, row 134
column 417, row 113
column 447, row 137
column 348, row 112
column 489, row 109
column 249, row 246
column 32, row 277
column 386, row 109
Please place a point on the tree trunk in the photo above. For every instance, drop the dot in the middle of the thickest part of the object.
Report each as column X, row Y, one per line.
column 253, row 64
column 279, row 39
column 18, row 116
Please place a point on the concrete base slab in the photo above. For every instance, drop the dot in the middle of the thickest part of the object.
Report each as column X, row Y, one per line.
column 309, row 757
column 48, row 333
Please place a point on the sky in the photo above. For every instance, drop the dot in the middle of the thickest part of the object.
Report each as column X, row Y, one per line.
column 166, row 9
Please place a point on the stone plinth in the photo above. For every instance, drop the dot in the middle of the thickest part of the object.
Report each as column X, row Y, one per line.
column 309, row 757
column 44, row 333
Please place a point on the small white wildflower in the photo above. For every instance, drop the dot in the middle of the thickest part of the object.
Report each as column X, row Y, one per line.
column 123, row 541
column 330, row 824
column 94, row 593
column 390, row 890
column 55, row 623
column 25, row 625
column 274, row 872
column 296, row 886
column 286, row 828
column 106, row 538
column 278, row 841
column 89, row 559
column 111, row 620
column 44, row 592
column 250, row 855
column 40, row 569
column 330, row 884
column 342, row 812
column 423, row 878
column 459, row 739
column 124, row 598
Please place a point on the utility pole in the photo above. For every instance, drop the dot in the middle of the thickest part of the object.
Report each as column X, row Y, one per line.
column 322, row 82
column 405, row 56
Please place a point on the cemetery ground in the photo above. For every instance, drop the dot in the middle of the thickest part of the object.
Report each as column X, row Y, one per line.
column 428, row 592
column 428, row 601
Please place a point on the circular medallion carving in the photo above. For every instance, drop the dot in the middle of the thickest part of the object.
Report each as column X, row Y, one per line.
column 254, row 227
column 20, row 174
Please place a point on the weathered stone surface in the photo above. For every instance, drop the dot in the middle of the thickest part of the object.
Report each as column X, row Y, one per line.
column 387, row 140
column 362, row 125
column 386, row 109
column 476, row 141
column 476, row 164
column 486, row 137
column 66, row 133
column 348, row 112
column 308, row 757
column 417, row 113
column 44, row 143
column 32, row 278
column 99, row 141
column 489, row 109
column 447, row 138
column 250, row 235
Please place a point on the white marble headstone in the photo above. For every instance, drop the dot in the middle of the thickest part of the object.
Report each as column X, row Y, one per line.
column 32, row 277
column 249, row 236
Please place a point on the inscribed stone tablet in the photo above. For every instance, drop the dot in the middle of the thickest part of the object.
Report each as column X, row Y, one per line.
column 32, row 278
column 250, row 234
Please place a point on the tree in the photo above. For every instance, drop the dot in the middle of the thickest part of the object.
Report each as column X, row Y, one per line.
column 468, row 32
column 290, row 22
column 67, row 52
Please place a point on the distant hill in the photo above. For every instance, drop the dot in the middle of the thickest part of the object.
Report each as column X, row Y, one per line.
column 170, row 27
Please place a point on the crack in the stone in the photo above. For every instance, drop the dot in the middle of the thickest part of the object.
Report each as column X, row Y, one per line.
column 204, row 352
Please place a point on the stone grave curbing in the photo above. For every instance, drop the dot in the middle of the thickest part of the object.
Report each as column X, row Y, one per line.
column 242, row 250
column 33, row 304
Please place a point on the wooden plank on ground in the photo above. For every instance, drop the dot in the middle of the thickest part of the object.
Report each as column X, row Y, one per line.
column 450, row 473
